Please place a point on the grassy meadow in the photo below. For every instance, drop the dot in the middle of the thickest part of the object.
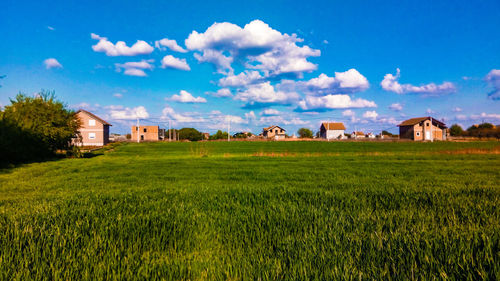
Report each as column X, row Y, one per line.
column 256, row 210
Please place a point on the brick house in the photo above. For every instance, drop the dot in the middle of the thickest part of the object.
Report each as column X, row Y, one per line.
column 147, row 133
column 93, row 130
column 422, row 128
column 275, row 132
column 331, row 130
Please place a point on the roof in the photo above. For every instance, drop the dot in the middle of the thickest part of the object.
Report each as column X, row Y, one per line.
column 413, row 121
column 333, row 126
column 272, row 127
column 94, row 116
column 359, row 133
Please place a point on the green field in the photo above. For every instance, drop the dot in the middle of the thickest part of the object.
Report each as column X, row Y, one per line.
column 256, row 210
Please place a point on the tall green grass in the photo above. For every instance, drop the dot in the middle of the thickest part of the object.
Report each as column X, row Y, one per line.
column 254, row 210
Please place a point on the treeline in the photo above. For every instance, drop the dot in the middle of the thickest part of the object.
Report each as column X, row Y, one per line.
column 35, row 128
column 483, row 130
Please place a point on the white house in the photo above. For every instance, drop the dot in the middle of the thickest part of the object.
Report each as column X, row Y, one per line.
column 370, row 136
column 332, row 130
column 358, row 135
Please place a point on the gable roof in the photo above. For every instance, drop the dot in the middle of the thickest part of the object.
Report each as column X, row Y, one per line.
column 272, row 127
column 93, row 116
column 359, row 133
column 413, row 121
column 333, row 125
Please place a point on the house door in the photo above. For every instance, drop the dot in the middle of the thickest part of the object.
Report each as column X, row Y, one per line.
column 428, row 135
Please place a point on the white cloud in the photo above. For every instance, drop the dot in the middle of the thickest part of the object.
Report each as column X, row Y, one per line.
column 348, row 113
column 370, row 115
column 135, row 68
column 243, row 79
column 50, row 28
column 461, row 117
column 264, row 93
column 429, row 111
column 217, row 58
column 186, row 97
column 396, row 107
column 346, row 82
column 118, row 95
column 280, row 120
column 333, row 102
column 391, row 83
column 171, row 44
column 492, row 116
column 325, row 42
column 493, row 78
column 118, row 112
column 457, row 109
column 221, row 93
column 52, row 63
column 169, row 113
column 270, row 112
column 120, row 48
column 264, row 48
column 173, row 62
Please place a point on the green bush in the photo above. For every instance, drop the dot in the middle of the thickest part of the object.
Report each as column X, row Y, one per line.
column 190, row 134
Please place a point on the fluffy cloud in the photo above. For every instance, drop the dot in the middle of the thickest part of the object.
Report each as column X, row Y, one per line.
column 52, row 63
column 491, row 116
column 171, row 44
column 396, row 107
column 186, row 97
column 264, row 93
column 119, row 112
column 347, row 82
column 493, row 78
column 120, row 48
column 333, row 102
column 270, row 112
column 274, row 119
column 170, row 114
column 391, row 83
column 118, row 95
column 221, row 93
column 173, row 62
column 135, row 68
column 263, row 47
column 221, row 62
column 370, row 115
column 243, row 79
column 457, row 109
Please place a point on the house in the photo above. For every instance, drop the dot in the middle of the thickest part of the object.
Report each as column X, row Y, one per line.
column 422, row 128
column 147, row 133
column 206, row 136
column 93, row 130
column 275, row 132
column 370, row 135
column 358, row 135
column 331, row 130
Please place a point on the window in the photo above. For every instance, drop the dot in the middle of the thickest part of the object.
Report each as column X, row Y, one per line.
column 91, row 136
column 145, row 130
column 427, row 124
column 91, row 122
column 418, row 134
column 282, row 130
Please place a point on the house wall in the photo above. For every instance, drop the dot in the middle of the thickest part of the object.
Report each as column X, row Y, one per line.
column 152, row 133
column 100, row 130
column 334, row 134
column 406, row 132
column 437, row 133
column 273, row 133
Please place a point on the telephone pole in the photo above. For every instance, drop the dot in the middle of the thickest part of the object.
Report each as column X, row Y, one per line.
column 169, row 132
column 137, row 131
column 228, row 129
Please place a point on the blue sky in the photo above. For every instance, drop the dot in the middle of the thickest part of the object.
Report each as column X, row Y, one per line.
column 369, row 64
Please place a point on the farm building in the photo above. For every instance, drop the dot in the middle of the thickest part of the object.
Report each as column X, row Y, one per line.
column 275, row 132
column 370, row 135
column 358, row 135
column 422, row 128
column 332, row 130
column 93, row 130
column 148, row 133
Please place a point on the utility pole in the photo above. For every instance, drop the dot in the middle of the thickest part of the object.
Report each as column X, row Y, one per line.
column 137, row 131
column 432, row 137
column 228, row 128
column 169, row 132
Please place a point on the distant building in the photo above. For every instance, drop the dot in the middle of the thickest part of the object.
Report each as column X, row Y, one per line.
column 206, row 136
column 422, row 128
column 370, row 135
column 275, row 132
column 358, row 135
column 331, row 130
column 93, row 130
column 148, row 133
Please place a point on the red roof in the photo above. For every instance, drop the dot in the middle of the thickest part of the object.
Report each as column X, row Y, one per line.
column 413, row 121
column 333, row 126
column 94, row 116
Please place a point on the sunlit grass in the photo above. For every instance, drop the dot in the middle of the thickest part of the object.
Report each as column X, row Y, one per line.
column 250, row 210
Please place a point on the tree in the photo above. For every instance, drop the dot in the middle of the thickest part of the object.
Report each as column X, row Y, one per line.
column 220, row 135
column 456, row 130
column 43, row 120
column 305, row 133
column 190, row 134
